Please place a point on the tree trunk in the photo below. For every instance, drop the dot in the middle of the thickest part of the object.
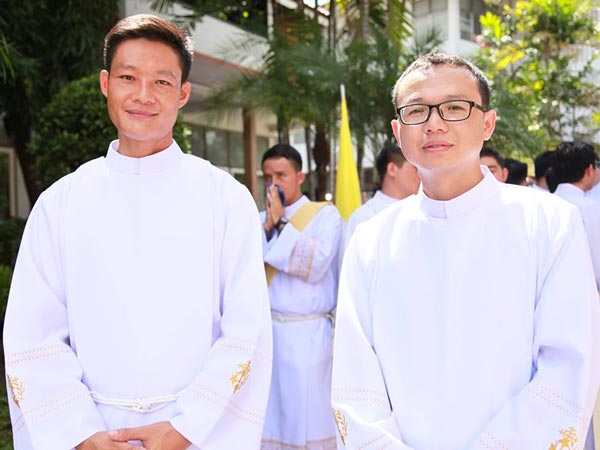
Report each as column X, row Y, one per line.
column 309, row 183
column 360, row 153
column 322, row 159
column 19, row 128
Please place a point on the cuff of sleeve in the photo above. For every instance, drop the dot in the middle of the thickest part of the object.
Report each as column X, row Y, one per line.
column 279, row 254
column 185, row 428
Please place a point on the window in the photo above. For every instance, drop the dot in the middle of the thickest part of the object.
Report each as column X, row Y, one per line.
column 429, row 14
column 470, row 11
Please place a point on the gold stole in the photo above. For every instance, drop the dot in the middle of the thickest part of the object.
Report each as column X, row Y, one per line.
column 299, row 220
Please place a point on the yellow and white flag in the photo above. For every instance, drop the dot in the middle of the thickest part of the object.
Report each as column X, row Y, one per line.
column 347, row 185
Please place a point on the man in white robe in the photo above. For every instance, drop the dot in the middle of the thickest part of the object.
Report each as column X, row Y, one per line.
column 432, row 351
column 398, row 179
column 494, row 162
column 300, row 248
column 576, row 171
column 543, row 171
column 138, row 313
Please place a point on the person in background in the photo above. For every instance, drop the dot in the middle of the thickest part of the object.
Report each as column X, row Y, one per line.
column 300, row 248
column 543, row 170
column 517, row 172
column 397, row 180
column 494, row 162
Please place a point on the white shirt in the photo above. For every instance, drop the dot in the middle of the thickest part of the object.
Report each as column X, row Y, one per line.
column 590, row 212
column 467, row 325
column 372, row 207
column 136, row 279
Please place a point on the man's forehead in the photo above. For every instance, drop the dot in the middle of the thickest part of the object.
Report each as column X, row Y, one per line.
column 415, row 81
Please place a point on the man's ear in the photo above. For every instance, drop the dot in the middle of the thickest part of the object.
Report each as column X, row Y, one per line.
column 396, row 129
column 104, row 82
column 504, row 174
column 489, row 124
column 301, row 178
column 184, row 95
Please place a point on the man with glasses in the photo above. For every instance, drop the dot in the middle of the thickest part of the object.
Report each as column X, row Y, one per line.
column 576, row 171
column 432, row 351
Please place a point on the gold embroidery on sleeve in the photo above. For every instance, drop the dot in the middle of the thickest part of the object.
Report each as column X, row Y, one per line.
column 239, row 378
column 17, row 389
column 342, row 424
column 567, row 441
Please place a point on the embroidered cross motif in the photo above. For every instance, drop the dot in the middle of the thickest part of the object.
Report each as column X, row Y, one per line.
column 17, row 389
column 239, row 378
column 342, row 424
column 567, row 441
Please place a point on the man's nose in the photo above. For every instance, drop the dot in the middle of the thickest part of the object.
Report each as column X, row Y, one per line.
column 435, row 121
column 144, row 92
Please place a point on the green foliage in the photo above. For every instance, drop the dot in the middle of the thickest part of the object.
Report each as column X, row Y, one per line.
column 74, row 128
column 11, row 232
column 43, row 45
column 539, row 55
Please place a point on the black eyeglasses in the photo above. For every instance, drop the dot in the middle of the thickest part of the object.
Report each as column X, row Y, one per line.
column 450, row 111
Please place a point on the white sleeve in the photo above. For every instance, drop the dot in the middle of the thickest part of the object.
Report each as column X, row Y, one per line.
column 362, row 410
column 308, row 254
column 50, row 407
column 224, row 406
column 553, row 410
column 591, row 223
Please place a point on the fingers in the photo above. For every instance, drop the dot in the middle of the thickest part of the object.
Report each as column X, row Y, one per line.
column 128, row 434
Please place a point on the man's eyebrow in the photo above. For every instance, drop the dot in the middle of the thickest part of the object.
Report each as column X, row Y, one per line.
column 164, row 73
column 446, row 97
column 167, row 73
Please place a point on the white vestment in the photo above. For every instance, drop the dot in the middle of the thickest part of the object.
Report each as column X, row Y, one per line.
column 467, row 325
column 590, row 212
column 594, row 193
column 371, row 208
column 140, row 282
column 305, row 288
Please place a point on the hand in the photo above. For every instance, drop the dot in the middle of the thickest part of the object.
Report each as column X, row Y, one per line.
column 157, row 436
column 104, row 441
column 275, row 210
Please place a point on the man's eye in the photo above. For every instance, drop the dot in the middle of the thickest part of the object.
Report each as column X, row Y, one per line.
column 415, row 111
column 126, row 77
column 163, row 82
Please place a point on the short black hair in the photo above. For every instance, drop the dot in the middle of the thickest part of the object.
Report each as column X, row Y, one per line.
column 284, row 151
column 431, row 60
column 543, row 163
column 517, row 171
column 490, row 152
column 152, row 28
column 571, row 159
column 388, row 154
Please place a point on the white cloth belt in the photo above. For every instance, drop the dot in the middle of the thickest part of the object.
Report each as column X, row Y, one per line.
column 283, row 319
column 149, row 404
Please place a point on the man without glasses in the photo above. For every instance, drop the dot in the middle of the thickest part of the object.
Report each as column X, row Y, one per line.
column 138, row 313
column 432, row 350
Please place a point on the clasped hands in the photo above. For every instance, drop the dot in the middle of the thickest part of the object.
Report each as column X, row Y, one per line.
column 275, row 209
column 157, row 436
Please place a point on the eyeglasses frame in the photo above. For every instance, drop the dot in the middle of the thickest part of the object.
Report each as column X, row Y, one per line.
column 471, row 104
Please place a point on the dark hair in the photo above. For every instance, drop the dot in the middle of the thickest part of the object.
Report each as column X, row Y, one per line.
column 152, row 28
column 284, row 151
column 543, row 163
column 388, row 154
column 571, row 159
column 489, row 151
column 517, row 171
column 430, row 60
